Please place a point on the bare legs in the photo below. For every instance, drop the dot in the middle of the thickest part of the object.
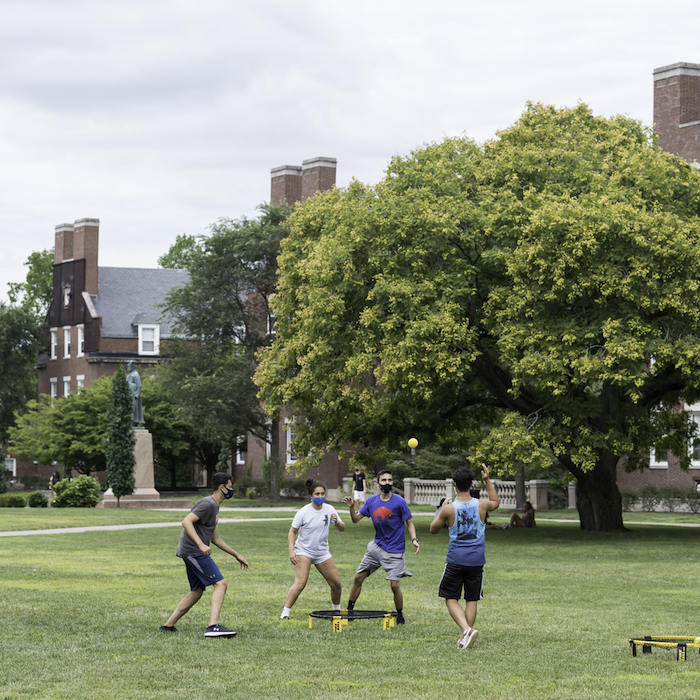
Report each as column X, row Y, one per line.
column 360, row 579
column 466, row 617
column 217, row 600
column 327, row 569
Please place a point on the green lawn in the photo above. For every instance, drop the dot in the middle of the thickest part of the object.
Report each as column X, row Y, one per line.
column 79, row 615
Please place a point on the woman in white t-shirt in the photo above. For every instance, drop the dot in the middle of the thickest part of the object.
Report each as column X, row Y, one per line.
column 310, row 528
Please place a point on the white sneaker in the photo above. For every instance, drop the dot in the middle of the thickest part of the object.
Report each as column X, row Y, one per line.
column 284, row 616
column 467, row 638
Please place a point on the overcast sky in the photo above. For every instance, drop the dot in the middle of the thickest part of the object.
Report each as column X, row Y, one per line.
column 159, row 116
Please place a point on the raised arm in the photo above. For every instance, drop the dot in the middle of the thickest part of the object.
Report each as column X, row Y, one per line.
column 492, row 503
column 354, row 515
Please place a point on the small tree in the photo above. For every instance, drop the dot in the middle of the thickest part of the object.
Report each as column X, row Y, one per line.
column 121, row 441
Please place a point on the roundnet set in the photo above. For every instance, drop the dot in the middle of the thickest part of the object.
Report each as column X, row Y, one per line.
column 680, row 644
column 341, row 618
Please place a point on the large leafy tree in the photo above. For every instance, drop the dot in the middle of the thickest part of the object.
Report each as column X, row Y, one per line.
column 71, row 431
column 546, row 283
column 19, row 345
column 225, row 310
column 119, row 451
column 20, row 336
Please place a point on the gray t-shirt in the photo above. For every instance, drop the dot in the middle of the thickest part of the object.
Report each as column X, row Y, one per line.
column 207, row 510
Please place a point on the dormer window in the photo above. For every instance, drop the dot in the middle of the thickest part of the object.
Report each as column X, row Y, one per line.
column 149, row 339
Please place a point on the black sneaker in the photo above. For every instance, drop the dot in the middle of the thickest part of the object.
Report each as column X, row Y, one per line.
column 399, row 619
column 165, row 628
column 218, row 631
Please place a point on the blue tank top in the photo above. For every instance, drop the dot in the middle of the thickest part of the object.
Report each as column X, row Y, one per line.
column 467, row 535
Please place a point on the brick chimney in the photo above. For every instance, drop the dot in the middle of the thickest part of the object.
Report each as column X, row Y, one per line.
column 79, row 241
column 286, row 184
column 317, row 175
column 677, row 109
column 293, row 183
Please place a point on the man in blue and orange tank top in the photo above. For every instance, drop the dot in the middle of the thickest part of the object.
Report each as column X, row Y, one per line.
column 390, row 514
column 464, row 566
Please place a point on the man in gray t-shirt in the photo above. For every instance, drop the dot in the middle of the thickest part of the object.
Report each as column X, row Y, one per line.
column 199, row 530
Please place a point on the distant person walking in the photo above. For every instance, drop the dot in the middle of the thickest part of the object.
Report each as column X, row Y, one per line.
column 359, row 489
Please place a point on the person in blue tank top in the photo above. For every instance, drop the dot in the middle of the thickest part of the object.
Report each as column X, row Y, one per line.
column 464, row 566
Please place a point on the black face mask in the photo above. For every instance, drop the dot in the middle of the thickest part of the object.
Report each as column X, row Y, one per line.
column 228, row 493
column 386, row 488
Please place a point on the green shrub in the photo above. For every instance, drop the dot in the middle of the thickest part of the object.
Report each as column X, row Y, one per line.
column 670, row 497
column 5, row 476
column 692, row 498
column 83, row 492
column 35, row 481
column 293, row 488
column 36, row 499
column 242, row 485
column 649, row 496
column 12, row 500
column 629, row 498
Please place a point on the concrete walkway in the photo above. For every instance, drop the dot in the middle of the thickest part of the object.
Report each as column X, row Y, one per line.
column 140, row 526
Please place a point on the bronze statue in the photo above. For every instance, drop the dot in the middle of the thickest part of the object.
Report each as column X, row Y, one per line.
column 134, row 380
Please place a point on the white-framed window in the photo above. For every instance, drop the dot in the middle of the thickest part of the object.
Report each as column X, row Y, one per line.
column 66, row 341
column 79, row 383
column 54, row 343
column 658, row 458
column 80, row 342
column 694, row 449
column 241, row 451
column 291, row 435
column 11, row 465
column 66, row 386
column 149, row 339
column 53, row 387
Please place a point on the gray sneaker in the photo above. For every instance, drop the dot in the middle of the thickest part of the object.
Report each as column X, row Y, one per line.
column 218, row 631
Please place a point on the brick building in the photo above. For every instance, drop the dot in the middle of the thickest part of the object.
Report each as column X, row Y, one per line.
column 291, row 184
column 99, row 318
column 677, row 126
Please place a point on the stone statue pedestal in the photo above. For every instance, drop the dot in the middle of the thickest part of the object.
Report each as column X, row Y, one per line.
column 145, row 494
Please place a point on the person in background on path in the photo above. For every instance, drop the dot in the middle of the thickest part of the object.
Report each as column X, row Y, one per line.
column 199, row 530
column 528, row 519
column 55, row 478
column 312, row 524
column 359, row 487
column 464, row 564
column 387, row 550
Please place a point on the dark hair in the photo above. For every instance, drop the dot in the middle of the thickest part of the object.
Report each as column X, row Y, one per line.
column 218, row 479
column 384, row 471
column 312, row 485
column 463, row 478
column 527, row 503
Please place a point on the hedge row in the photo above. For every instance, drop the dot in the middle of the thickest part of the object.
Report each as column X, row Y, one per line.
column 669, row 497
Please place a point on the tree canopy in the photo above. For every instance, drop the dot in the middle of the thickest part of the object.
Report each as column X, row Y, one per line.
column 224, row 310
column 545, row 283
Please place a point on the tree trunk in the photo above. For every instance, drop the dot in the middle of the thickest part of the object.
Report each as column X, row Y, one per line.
column 520, row 496
column 598, row 499
column 275, row 460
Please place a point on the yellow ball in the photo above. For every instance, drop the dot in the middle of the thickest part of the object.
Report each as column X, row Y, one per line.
column 413, row 443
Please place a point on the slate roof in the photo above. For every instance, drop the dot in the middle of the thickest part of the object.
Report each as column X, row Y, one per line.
column 132, row 295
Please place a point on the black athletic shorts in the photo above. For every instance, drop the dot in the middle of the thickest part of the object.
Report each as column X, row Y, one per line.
column 456, row 577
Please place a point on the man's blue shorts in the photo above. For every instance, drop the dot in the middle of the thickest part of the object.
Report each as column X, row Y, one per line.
column 202, row 571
